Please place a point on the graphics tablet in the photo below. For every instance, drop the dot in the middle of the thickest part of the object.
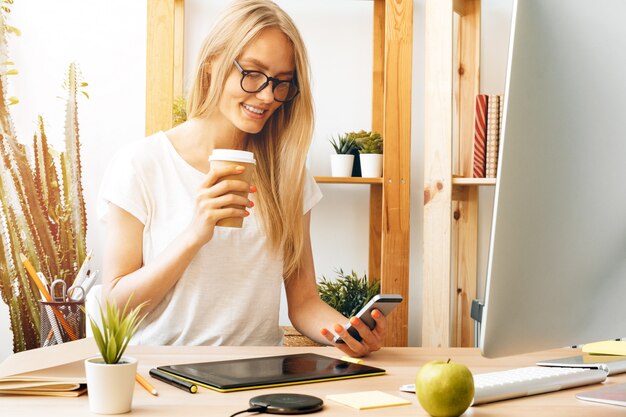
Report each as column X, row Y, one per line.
column 272, row 371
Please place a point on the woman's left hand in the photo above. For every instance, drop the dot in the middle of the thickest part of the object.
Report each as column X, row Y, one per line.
column 372, row 340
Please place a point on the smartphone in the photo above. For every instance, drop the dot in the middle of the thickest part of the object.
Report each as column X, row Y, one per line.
column 385, row 303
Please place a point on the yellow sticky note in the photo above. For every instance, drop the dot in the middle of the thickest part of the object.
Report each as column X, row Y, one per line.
column 608, row 347
column 351, row 359
column 368, row 399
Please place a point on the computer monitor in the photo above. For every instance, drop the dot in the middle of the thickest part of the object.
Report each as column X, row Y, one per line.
column 557, row 257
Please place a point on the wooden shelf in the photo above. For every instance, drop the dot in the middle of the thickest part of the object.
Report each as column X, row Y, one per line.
column 473, row 181
column 348, row 180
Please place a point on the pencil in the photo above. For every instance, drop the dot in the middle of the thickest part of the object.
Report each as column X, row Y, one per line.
column 46, row 295
column 33, row 275
column 144, row 383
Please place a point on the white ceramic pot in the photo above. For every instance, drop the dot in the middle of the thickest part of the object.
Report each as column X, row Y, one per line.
column 371, row 165
column 341, row 165
column 110, row 387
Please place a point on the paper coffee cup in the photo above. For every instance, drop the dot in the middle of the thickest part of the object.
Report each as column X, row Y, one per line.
column 229, row 157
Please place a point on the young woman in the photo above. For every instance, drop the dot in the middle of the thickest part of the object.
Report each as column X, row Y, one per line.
column 161, row 199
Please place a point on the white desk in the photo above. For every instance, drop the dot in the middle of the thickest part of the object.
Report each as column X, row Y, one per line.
column 401, row 365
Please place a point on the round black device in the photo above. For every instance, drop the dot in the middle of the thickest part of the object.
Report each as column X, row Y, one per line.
column 287, row 403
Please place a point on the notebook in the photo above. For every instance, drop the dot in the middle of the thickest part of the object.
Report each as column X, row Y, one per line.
column 54, row 370
column 272, row 371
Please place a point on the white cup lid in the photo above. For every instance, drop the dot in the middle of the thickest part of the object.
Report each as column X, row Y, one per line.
column 232, row 155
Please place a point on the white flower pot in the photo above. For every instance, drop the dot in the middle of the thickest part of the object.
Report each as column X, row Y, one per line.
column 371, row 165
column 341, row 165
column 110, row 387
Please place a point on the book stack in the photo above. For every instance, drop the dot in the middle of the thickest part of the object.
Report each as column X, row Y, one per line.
column 487, row 123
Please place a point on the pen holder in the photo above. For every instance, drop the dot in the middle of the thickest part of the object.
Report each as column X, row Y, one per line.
column 61, row 322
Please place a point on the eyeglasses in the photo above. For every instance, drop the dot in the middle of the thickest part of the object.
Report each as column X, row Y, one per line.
column 255, row 81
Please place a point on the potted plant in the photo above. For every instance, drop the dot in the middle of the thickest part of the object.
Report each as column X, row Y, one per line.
column 341, row 162
column 371, row 155
column 347, row 293
column 111, row 376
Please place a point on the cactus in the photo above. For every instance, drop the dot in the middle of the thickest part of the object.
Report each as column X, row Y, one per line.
column 40, row 216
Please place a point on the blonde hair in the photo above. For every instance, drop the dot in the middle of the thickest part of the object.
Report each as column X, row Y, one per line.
column 280, row 148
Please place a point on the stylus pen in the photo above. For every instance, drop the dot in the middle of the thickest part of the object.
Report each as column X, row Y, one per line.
column 172, row 380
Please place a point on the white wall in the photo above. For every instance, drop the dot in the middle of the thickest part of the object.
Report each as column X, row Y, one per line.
column 108, row 38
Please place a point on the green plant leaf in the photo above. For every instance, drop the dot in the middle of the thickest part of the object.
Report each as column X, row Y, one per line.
column 369, row 142
column 348, row 293
column 97, row 335
column 343, row 144
column 112, row 352
column 116, row 329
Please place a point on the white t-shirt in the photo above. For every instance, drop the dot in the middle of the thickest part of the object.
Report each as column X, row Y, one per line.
column 230, row 292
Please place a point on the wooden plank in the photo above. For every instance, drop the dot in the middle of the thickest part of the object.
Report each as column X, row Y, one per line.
column 378, row 109
column 347, row 180
column 397, row 160
column 466, row 214
column 375, row 237
column 378, row 76
column 179, row 48
column 466, row 220
column 436, row 304
column 456, row 99
column 468, row 70
column 160, row 65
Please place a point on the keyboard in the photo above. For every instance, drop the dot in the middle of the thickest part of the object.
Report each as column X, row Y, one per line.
column 522, row 382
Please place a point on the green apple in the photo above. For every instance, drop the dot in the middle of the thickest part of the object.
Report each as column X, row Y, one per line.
column 444, row 389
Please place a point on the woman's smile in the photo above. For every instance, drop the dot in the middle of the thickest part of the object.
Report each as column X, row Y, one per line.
column 253, row 111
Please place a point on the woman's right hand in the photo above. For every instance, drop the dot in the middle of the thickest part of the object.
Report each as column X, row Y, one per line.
column 213, row 197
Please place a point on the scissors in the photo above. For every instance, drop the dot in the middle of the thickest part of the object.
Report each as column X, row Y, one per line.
column 75, row 293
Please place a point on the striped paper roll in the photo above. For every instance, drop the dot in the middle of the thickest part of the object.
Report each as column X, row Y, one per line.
column 480, row 126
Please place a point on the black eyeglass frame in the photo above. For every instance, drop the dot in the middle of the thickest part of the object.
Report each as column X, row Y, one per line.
column 275, row 82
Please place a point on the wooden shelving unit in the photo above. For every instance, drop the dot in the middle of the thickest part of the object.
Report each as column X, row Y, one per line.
column 450, row 194
column 391, row 115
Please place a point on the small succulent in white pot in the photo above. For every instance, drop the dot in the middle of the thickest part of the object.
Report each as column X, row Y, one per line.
column 371, row 154
column 111, row 376
column 341, row 162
